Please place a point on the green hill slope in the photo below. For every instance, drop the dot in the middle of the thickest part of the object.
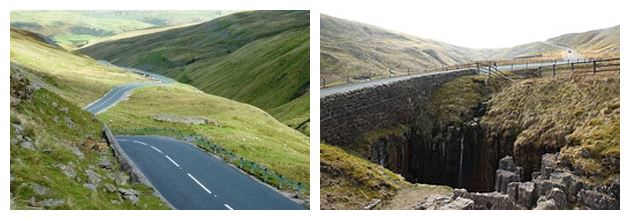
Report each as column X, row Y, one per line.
column 76, row 28
column 258, row 57
column 58, row 158
column 355, row 51
column 247, row 131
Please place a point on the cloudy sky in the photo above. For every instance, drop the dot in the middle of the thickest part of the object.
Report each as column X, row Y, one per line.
column 481, row 23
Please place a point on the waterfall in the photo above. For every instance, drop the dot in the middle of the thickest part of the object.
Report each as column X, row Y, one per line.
column 461, row 162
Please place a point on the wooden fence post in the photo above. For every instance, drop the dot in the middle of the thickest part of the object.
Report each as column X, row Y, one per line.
column 594, row 66
column 554, row 69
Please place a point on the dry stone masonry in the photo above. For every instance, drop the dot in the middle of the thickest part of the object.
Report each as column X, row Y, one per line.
column 347, row 116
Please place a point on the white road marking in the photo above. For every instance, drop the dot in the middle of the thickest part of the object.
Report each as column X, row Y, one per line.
column 227, row 206
column 202, row 186
column 138, row 142
column 154, row 148
column 172, row 161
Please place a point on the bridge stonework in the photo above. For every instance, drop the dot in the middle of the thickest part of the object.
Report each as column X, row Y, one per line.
column 345, row 117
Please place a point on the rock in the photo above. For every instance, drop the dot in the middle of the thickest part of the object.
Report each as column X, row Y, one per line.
column 40, row 190
column 47, row 150
column 572, row 183
column 26, row 144
column 110, row 187
column 545, row 204
column 491, row 201
column 512, row 190
column 503, row 178
column 372, row 204
column 121, row 178
column 507, row 163
column 100, row 146
column 526, row 192
column 460, row 193
column 53, row 203
column 433, row 202
column 67, row 170
column 64, row 110
column 535, row 174
column 19, row 129
column 93, row 177
column 76, row 151
column 559, row 197
column 544, row 186
column 34, row 203
column 459, row 204
column 90, row 186
column 548, row 164
column 69, row 122
column 596, row 200
column 104, row 162
column 129, row 194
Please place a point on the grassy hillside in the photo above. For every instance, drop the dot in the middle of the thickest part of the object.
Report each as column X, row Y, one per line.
column 54, row 162
column 595, row 43
column 575, row 115
column 258, row 57
column 356, row 50
column 76, row 28
column 351, row 182
column 72, row 76
column 246, row 130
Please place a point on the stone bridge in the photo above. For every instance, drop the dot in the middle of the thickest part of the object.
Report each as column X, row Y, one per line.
column 346, row 116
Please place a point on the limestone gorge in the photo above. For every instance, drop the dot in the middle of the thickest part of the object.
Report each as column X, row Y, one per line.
column 478, row 137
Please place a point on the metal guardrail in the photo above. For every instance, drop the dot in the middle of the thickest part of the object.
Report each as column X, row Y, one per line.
column 257, row 170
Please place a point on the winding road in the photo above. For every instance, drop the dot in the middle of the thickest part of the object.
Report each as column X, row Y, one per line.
column 192, row 179
column 185, row 176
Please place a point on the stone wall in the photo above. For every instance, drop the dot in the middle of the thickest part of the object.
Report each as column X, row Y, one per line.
column 347, row 116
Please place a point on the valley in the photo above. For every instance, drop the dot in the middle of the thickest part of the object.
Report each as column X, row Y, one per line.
column 135, row 102
column 502, row 134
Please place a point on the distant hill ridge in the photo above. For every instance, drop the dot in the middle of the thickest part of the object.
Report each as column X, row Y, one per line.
column 257, row 57
column 354, row 51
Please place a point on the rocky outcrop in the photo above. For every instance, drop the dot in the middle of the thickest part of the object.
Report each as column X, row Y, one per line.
column 440, row 202
column 554, row 187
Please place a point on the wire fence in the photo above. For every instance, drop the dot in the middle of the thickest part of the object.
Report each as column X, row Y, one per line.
column 259, row 171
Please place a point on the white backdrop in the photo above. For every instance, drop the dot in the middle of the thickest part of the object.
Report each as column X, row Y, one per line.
column 458, row 27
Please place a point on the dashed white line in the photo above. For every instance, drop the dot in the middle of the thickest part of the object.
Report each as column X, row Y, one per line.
column 172, row 161
column 227, row 206
column 138, row 142
column 198, row 183
column 154, row 148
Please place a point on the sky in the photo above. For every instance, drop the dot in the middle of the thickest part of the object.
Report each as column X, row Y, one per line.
column 481, row 23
